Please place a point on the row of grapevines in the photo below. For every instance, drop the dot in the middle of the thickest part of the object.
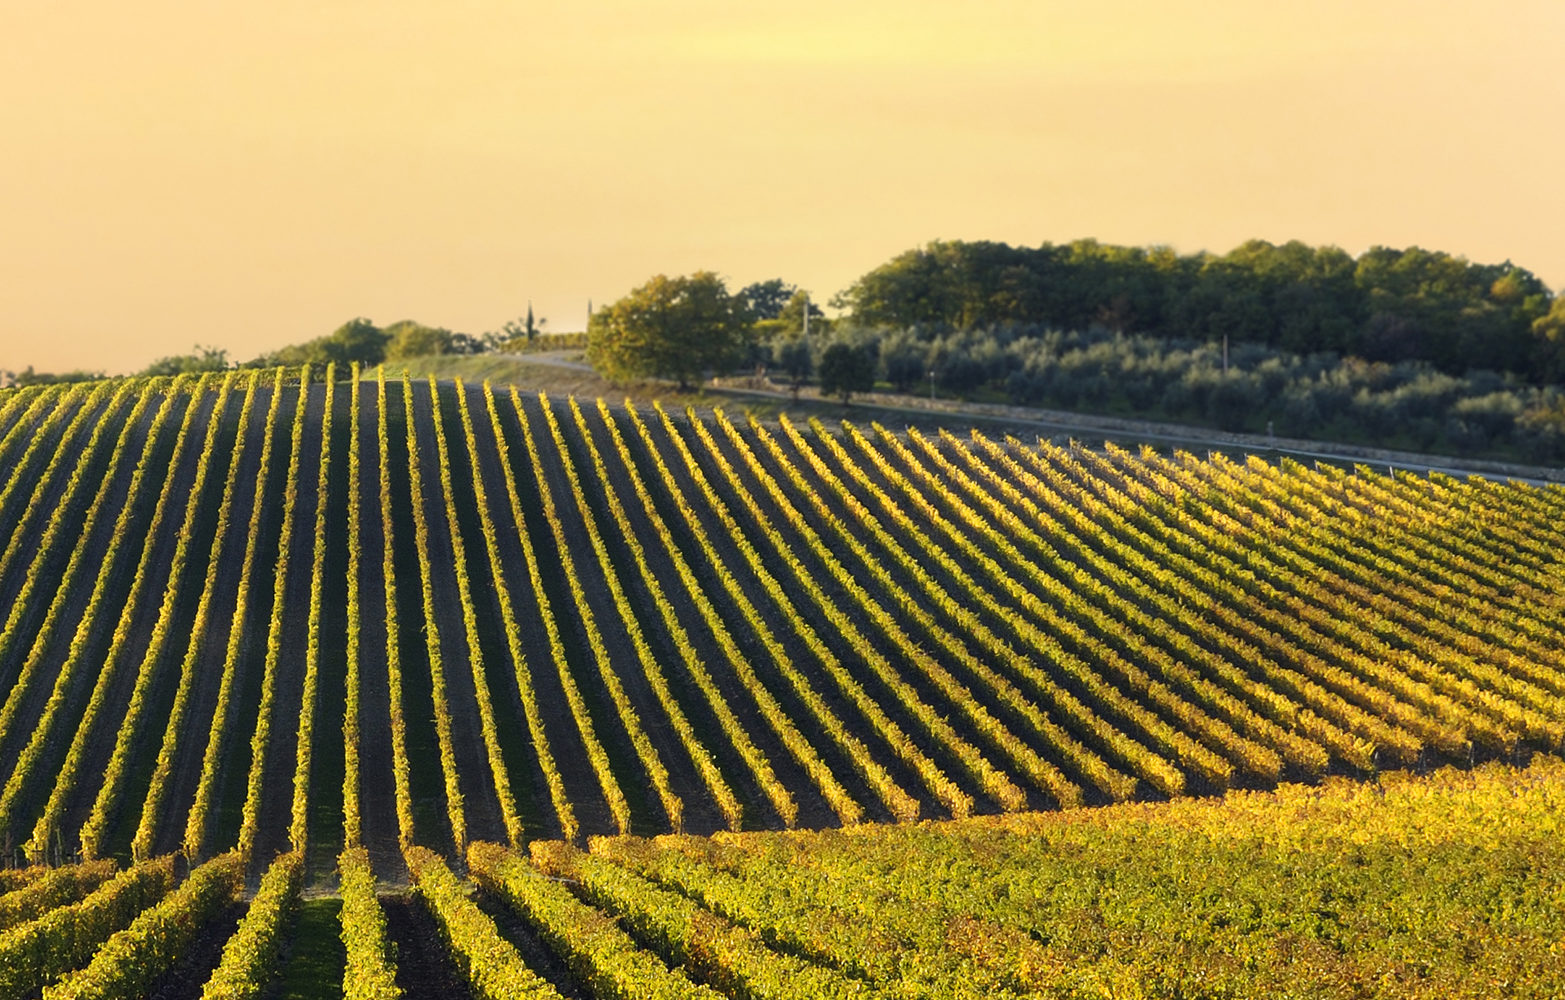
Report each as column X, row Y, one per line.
column 728, row 956
column 1398, row 699
column 1437, row 564
column 475, row 656
column 104, row 806
column 250, row 956
column 993, row 782
column 1306, row 677
column 1486, row 544
column 57, row 887
column 369, row 973
column 1285, row 695
column 217, row 733
column 841, row 802
column 13, row 400
column 66, row 937
column 26, row 408
column 78, row 404
column 1310, row 599
column 1487, row 503
column 1130, row 751
column 1043, row 774
column 88, row 625
column 298, row 830
column 1082, row 758
column 437, row 670
column 815, row 929
column 40, row 738
column 902, row 805
column 12, row 879
column 133, row 958
column 1184, row 697
column 656, row 771
column 1503, row 537
column 490, row 963
column 352, row 813
column 508, row 618
column 1047, row 517
column 893, row 796
column 401, row 775
column 1170, row 742
column 1410, row 630
column 992, row 906
column 1525, row 512
column 82, row 406
column 596, row 949
column 1499, row 536
column 656, row 679
column 261, row 737
column 40, row 572
column 1297, row 627
column 1194, row 737
column 781, row 800
column 1371, row 644
column 956, row 799
column 46, row 830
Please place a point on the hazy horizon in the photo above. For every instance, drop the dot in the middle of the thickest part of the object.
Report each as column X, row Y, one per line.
column 249, row 178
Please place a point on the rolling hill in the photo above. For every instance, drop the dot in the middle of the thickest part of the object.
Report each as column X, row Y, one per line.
column 252, row 617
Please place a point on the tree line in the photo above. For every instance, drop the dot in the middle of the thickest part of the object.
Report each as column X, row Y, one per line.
column 1385, row 305
column 1408, row 348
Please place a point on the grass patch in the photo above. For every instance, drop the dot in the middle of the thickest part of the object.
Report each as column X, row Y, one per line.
column 315, row 959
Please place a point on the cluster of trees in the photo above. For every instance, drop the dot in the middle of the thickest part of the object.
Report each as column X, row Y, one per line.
column 358, row 340
column 28, row 376
column 362, row 341
column 1256, row 388
column 681, row 328
column 906, row 331
column 1385, row 305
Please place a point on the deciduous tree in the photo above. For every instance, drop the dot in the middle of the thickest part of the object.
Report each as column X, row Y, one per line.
column 674, row 328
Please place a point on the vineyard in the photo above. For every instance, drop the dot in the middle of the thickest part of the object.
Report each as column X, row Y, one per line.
column 264, row 635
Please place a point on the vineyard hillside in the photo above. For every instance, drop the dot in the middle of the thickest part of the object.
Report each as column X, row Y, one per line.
column 263, row 633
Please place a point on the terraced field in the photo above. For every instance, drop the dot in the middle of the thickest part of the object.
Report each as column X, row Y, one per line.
column 287, row 634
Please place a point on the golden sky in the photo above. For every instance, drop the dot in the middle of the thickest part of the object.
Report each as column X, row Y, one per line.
column 248, row 176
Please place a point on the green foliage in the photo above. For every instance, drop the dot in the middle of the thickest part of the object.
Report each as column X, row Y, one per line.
column 1387, row 305
column 65, row 938
column 202, row 359
column 674, row 328
column 767, row 299
column 1439, row 886
column 847, row 368
column 729, row 956
column 356, row 340
column 592, row 944
column 56, row 887
column 250, row 957
column 132, row 959
column 795, row 358
column 12, row 879
column 1326, row 396
column 407, row 339
column 1550, row 331
column 490, row 963
column 27, row 377
column 525, row 329
column 370, row 973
